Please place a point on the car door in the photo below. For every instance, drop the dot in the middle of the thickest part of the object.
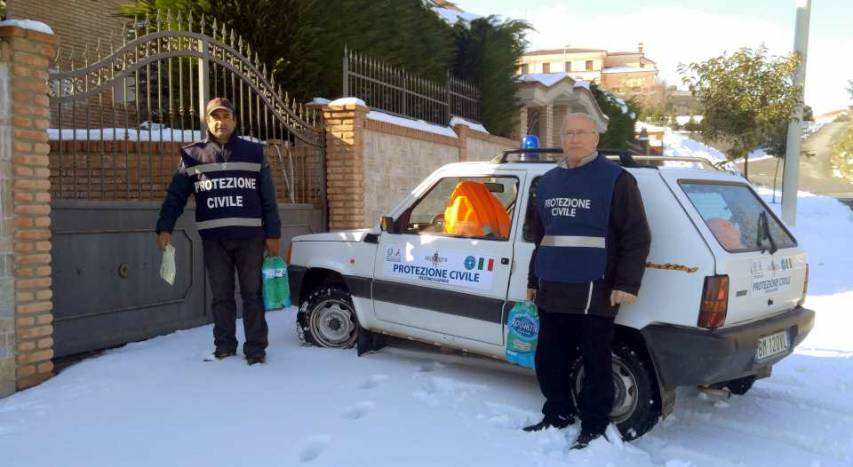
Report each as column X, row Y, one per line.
column 446, row 267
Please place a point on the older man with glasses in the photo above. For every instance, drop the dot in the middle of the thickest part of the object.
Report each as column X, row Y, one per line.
column 592, row 240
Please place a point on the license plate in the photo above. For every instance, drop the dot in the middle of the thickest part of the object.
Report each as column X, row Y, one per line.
column 771, row 345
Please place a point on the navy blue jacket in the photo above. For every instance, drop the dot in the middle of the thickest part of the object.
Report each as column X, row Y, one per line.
column 233, row 188
column 574, row 206
column 627, row 244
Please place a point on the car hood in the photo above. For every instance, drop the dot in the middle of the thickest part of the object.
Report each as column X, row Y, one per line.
column 340, row 236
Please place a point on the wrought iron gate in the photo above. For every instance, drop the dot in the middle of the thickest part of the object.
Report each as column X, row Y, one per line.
column 119, row 114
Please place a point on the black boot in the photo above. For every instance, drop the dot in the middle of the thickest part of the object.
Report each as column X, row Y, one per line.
column 221, row 353
column 255, row 359
column 559, row 422
column 585, row 438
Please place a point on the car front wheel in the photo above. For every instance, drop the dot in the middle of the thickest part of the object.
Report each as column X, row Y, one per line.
column 327, row 318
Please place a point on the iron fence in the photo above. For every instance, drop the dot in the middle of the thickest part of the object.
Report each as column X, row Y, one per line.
column 393, row 90
column 121, row 110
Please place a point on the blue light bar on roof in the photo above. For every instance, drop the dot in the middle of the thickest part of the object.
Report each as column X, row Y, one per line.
column 529, row 142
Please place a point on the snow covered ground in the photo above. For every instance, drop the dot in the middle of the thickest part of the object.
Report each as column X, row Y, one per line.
column 157, row 402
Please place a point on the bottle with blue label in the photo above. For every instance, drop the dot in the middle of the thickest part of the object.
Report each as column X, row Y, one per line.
column 276, row 288
column 522, row 334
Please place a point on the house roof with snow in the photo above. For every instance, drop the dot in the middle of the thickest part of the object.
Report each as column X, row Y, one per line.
column 539, row 90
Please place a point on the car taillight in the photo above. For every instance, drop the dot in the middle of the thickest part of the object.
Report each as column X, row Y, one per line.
column 289, row 251
column 805, row 287
column 715, row 302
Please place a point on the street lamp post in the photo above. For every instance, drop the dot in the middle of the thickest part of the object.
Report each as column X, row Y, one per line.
column 792, row 154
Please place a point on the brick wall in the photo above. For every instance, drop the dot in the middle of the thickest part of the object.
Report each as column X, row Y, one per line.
column 127, row 170
column 396, row 160
column 25, row 195
column 74, row 22
column 78, row 26
column 345, row 165
column 484, row 147
column 372, row 165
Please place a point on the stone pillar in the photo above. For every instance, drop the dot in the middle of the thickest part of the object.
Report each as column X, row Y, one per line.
column 548, row 126
column 462, row 135
column 345, row 164
column 522, row 123
column 25, row 246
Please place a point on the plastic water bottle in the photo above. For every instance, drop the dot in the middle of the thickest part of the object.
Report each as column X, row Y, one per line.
column 276, row 288
column 522, row 334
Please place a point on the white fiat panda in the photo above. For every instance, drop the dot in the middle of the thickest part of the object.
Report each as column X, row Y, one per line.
column 720, row 303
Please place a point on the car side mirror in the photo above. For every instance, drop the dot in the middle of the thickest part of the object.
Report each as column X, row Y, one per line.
column 386, row 224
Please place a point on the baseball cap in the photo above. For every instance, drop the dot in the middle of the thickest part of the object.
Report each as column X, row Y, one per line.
column 219, row 103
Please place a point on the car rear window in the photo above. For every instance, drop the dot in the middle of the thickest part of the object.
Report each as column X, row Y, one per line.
column 736, row 216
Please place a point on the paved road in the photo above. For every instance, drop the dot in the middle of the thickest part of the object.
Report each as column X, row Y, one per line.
column 815, row 170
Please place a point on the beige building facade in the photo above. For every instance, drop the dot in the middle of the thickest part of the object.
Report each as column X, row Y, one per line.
column 625, row 73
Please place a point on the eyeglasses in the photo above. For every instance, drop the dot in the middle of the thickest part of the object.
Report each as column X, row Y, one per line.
column 578, row 133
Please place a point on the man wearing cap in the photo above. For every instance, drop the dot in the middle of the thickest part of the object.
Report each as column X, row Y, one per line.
column 237, row 218
column 592, row 239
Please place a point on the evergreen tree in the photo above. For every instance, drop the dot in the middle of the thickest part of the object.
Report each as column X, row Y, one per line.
column 303, row 41
column 487, row 53
column 622, row 115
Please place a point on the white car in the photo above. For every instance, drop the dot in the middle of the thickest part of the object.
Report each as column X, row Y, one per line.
column 720, row 303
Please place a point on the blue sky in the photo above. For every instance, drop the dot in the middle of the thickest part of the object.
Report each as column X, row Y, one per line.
column 693, row 30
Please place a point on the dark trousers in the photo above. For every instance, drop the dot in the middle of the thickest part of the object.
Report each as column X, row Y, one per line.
column 221, row 258
column 561, row 336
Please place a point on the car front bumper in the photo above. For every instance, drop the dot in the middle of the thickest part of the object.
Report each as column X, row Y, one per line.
column 689, row 356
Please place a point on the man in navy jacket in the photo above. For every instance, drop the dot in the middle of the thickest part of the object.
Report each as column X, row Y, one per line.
column 592, row 239
column 237, row 218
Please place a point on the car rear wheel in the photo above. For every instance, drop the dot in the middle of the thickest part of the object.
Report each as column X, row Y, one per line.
column 636, row 406
column 327, row 318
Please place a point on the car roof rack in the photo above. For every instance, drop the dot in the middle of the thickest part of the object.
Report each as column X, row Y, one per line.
column 623, row 157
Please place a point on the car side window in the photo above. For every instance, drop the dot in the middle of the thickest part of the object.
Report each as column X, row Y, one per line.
column 469, row 207
column 735, row 216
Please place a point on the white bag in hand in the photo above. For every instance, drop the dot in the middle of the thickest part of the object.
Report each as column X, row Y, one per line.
column 167, row 265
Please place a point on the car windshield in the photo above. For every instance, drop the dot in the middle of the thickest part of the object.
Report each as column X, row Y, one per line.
column 737, row 218
column 473, row 207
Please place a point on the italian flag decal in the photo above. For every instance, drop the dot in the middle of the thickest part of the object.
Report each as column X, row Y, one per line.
column 487, row 263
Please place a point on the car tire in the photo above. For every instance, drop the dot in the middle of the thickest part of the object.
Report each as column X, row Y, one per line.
column 327, row 318
column 636, row 406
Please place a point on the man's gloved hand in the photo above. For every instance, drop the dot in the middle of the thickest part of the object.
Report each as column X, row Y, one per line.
column 531, row 295
column 618, row 297
column 273, row 245
column 163, row 239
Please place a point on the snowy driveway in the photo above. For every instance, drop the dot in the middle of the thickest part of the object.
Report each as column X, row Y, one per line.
column 156, row 403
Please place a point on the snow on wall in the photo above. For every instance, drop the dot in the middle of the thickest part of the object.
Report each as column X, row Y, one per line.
column 29, row 24
column 155, row 134
column 474, row 126
column 414, row 124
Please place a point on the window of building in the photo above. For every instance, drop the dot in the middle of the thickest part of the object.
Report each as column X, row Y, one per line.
column 525, row 69
column 589, row 65
column 546, row 68
column 568, row 66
